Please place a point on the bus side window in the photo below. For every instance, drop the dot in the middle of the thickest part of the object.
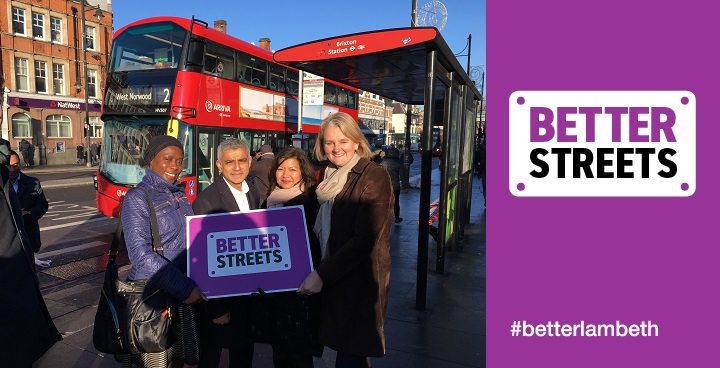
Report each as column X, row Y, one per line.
column 277, row 77
column 330, row 93
column 244, row 67
column 352, row 97
column 219, row 61
column 291, row 82
column 342, row 97
column 259, row 73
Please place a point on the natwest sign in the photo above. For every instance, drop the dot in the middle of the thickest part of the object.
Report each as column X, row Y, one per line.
column 65, row 105
column 51, row 104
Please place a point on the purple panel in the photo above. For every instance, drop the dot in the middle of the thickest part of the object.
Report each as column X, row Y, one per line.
column 237, row 253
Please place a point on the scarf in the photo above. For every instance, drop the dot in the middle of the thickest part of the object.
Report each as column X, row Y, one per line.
column 335, row 179
column 279, row 196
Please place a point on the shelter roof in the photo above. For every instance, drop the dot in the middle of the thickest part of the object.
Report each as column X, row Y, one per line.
column 391, row 63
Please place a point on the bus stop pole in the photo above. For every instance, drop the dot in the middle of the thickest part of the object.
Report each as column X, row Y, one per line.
column 300, row 101
column 425, row 183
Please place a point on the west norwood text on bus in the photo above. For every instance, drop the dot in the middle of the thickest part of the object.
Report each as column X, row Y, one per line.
column 179, row 77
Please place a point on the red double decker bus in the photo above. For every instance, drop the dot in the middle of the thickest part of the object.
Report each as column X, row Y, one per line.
column 179, row 77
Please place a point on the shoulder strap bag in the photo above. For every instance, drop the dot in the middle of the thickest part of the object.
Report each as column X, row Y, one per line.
column 134, row 316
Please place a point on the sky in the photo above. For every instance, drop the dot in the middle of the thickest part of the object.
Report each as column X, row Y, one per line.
column 290, row 22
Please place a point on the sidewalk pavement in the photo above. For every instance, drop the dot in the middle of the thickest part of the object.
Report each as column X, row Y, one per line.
column 449, row 333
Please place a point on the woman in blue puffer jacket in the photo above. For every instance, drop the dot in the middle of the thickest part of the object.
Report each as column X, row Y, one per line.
column 164, row 156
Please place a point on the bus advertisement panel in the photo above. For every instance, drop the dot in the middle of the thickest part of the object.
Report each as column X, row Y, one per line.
column 179, row 77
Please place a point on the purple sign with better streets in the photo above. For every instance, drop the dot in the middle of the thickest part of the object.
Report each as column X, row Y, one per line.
column 237, row 253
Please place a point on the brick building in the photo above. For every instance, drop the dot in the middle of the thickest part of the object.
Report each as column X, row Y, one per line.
column 43, row 67
column 374, row 116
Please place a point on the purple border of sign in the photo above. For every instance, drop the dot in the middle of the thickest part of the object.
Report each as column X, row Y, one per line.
column 292, row 218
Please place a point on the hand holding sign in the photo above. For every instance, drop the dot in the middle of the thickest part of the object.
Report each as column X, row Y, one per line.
column 312, row 285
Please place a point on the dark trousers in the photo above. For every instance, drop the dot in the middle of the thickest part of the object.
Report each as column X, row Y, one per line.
column 213, row 338
column 240, row 352
column 351, row 361
column 287, row 360
column 397, row 203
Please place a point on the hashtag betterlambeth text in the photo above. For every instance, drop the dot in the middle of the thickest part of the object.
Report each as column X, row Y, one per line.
column 582, row 329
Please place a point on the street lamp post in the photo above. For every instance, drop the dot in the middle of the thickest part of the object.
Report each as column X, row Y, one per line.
column 99, row 15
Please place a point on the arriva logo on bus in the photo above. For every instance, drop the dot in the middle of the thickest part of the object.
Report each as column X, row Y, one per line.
column 210, row 107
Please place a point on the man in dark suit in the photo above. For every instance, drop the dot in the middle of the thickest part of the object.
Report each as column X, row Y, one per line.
column 32, row 200
column 224, row 321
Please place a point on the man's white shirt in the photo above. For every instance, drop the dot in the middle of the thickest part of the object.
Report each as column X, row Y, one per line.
column 240, row 195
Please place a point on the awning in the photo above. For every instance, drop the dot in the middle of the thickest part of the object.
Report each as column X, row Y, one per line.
column 390, row 63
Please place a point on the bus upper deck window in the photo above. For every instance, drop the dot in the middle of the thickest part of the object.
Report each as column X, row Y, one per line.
column 258, row 72
column 277, row 77
column 342, row 97
column 330, row 93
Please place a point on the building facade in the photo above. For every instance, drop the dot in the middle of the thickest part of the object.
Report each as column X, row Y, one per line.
column 52, row 65
column 374, row 117
column 399, row 121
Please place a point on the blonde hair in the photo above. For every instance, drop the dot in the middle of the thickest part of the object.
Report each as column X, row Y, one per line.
column 349, row 127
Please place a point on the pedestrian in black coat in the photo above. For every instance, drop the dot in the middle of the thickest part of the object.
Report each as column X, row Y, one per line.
column 32, row 199
column 93, row 153
column 27, row 330
column 394, row 167
column 80, row 153
column 24, row 147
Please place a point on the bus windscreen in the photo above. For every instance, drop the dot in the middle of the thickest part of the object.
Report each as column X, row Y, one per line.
column 156, row 46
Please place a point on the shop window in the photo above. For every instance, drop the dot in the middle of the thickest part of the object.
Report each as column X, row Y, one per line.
column 21, row 127
column 58, row 126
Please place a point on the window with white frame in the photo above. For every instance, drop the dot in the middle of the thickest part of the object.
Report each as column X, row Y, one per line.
column 41, row 82
column 96, row 127
column 58, row 126
column 56, row 34
column 59, row 79
column 89, row 37
column 21, row 74
column 21, row 127
column 18, row 21
column 92, row 83
column 38, row 26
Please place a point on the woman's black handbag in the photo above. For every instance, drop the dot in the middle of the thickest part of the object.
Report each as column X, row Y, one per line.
column 134, row 316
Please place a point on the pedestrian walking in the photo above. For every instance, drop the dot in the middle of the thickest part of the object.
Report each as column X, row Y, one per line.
column 80, row 153
column 260, row 170
column 407, row 159
column 31, row 154
column 24, row 147
column 33, row 203
column 393, row 165
column 93, row 153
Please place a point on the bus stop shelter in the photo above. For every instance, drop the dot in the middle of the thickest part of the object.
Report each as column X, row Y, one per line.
column 416, row 67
